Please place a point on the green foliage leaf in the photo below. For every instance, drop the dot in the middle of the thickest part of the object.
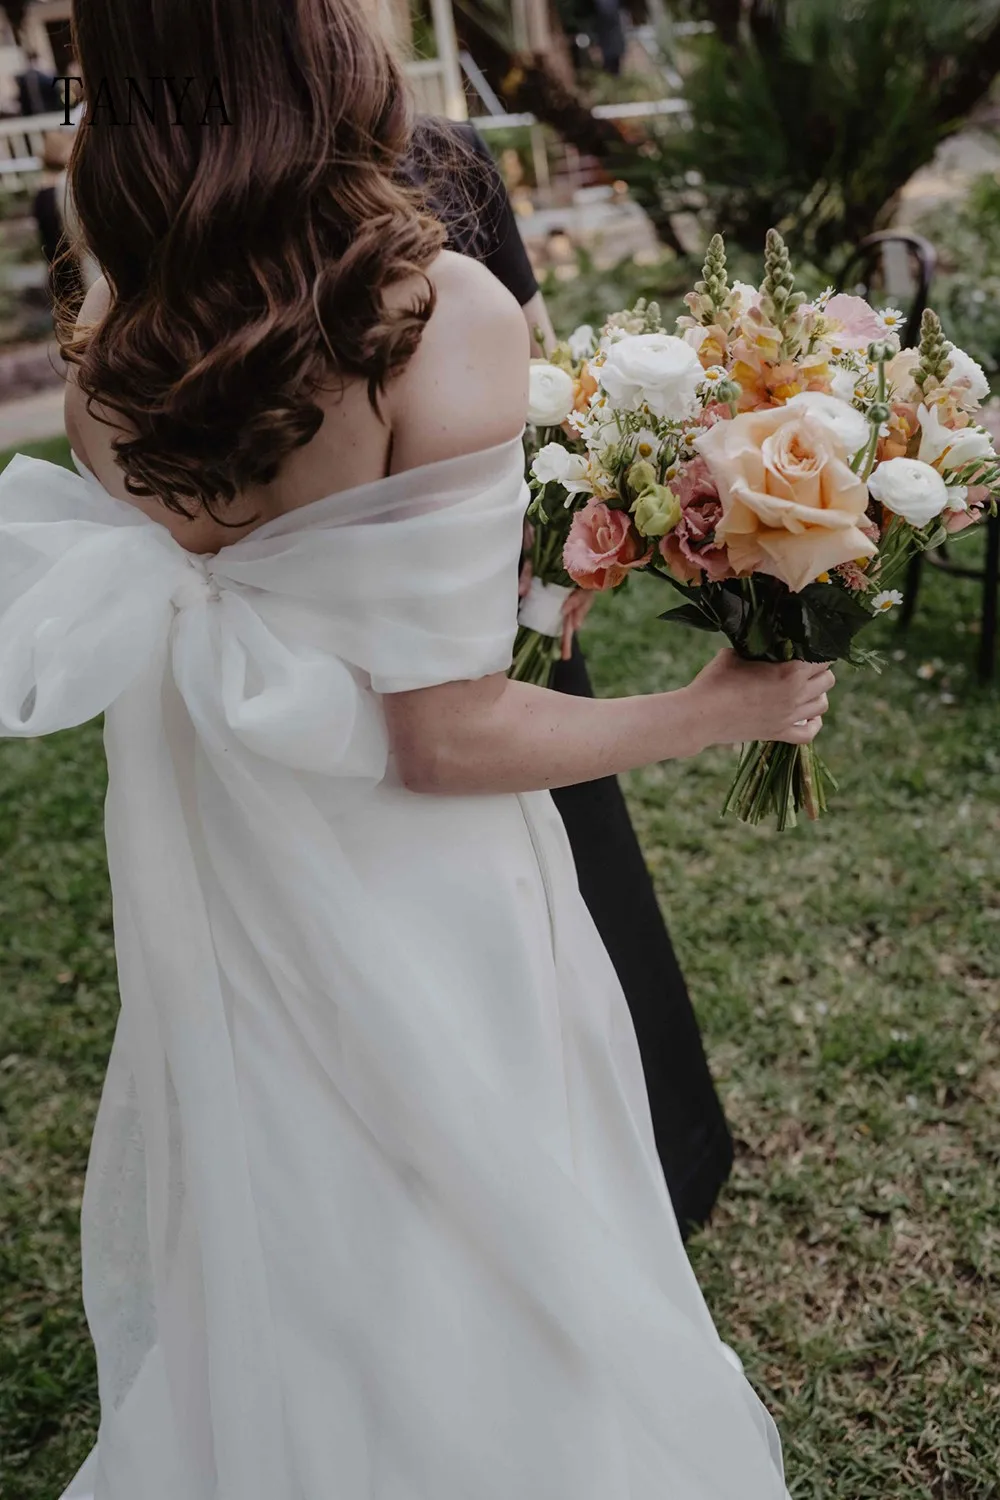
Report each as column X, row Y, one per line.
column 692, row 615
column 831, row 618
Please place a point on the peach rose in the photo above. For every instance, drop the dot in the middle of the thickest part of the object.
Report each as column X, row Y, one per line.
column 791, row 504
column 602, row 547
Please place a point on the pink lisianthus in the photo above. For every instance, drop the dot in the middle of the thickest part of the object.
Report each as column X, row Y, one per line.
column 602, row 547
column 715, row 411
column 854, row 325
column 689, row 550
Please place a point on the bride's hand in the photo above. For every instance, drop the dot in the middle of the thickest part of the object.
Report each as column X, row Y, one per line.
column 736, row 701
column 575, row 611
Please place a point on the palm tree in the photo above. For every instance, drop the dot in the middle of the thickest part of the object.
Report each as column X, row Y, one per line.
column 815, row 113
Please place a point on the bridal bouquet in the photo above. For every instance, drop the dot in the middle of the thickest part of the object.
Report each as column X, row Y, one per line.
column 778, row 462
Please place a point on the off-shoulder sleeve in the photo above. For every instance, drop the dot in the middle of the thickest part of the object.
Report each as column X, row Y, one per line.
column 419, row 587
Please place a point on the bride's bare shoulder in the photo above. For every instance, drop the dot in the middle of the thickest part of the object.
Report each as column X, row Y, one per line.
column 466, row 388
column 92, row 311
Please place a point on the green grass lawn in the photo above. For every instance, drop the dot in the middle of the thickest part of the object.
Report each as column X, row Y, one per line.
column 848, row 979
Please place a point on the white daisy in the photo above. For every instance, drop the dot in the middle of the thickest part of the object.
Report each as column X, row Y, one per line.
column 714, row 376
column 886, row 600
column 644, row 443
column 892, row 319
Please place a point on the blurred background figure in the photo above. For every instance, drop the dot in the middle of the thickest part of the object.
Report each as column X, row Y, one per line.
column 596, row 24
column 65, row 275
column 38, row 93
column 610, row 33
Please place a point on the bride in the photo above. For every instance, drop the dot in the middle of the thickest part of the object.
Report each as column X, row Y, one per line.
column 374, row 1207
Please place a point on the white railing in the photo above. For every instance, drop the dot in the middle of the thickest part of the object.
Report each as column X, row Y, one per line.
column 22, row 145
column 635, row 110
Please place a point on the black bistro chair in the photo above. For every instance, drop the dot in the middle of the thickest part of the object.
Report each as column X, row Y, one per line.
column 864, row 275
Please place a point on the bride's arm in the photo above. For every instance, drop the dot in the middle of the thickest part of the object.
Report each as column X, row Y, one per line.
column 501, row 736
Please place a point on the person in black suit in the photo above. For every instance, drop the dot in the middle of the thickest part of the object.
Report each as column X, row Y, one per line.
column 468, row 194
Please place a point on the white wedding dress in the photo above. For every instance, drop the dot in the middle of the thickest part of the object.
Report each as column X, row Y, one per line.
column 374, row 1210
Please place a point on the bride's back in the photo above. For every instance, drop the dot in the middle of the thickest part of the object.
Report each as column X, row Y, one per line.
column 278, row 320
column 463, row 390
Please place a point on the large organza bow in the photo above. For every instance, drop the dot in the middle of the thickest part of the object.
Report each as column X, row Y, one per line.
column 91, row 588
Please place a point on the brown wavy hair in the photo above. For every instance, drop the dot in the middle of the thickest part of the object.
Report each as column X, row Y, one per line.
column 248, row 263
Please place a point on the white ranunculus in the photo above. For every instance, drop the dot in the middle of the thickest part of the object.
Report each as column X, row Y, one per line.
column 849, row 428
column 962, row 366
column 910, row 489
column 656, row 370
column 551, row 394
column 556, row 463
column 582, row 341
column 947, row 448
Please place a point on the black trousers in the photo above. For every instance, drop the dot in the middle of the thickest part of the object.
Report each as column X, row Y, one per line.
column 692, row 1136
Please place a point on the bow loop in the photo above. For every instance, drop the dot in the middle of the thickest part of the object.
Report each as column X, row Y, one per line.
column 81, row 628
column 290, row 703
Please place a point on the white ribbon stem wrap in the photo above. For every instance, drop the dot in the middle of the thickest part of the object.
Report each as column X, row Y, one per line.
column 542, row 607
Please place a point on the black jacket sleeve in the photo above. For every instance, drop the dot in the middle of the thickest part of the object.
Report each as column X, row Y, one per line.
column 471, row 200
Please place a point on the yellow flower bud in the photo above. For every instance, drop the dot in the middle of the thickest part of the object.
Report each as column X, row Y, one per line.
column 641, row 476
column 656, row 511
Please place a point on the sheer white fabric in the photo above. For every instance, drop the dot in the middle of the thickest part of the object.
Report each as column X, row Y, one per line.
column 373, row 1210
